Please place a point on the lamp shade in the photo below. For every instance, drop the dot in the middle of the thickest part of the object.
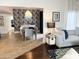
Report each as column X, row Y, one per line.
column 50, row 25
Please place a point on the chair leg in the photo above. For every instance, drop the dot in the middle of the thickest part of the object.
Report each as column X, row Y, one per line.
column 35, row 36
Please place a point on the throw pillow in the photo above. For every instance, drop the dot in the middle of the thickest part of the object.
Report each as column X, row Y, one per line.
column 66, row 34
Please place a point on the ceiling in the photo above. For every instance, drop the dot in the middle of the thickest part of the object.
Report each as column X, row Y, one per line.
column 8, row 9
column 5, row 10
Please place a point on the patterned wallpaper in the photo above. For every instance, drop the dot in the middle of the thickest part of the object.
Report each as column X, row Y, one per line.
column 18, row 15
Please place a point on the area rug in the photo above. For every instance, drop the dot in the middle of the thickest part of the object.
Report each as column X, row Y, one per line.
column 58, row 53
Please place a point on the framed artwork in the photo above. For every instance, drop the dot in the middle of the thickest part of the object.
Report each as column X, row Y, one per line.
column 56, row 16
column 1, row 21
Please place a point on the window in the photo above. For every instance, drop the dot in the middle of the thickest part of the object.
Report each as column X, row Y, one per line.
column 71, row 20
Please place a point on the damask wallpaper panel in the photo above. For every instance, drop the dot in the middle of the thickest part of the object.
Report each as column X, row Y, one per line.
column 19, row 15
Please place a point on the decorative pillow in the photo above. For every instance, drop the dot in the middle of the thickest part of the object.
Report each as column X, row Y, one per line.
column 66, row 34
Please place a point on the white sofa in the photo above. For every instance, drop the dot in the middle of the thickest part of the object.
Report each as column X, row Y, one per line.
column 72, row 39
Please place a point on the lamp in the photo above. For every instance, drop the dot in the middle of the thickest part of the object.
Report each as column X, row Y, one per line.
column 50, row 25
column 28, row 14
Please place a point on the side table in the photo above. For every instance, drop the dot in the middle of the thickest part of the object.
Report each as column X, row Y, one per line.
column 50, row 39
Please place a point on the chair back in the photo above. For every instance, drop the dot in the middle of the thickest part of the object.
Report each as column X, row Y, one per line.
column 28, row 32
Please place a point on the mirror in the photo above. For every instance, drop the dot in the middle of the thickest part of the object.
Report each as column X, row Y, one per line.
column 28, row 17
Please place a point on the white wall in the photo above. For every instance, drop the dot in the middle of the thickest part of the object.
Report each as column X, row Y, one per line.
column 7, row 23
column 49, row 6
